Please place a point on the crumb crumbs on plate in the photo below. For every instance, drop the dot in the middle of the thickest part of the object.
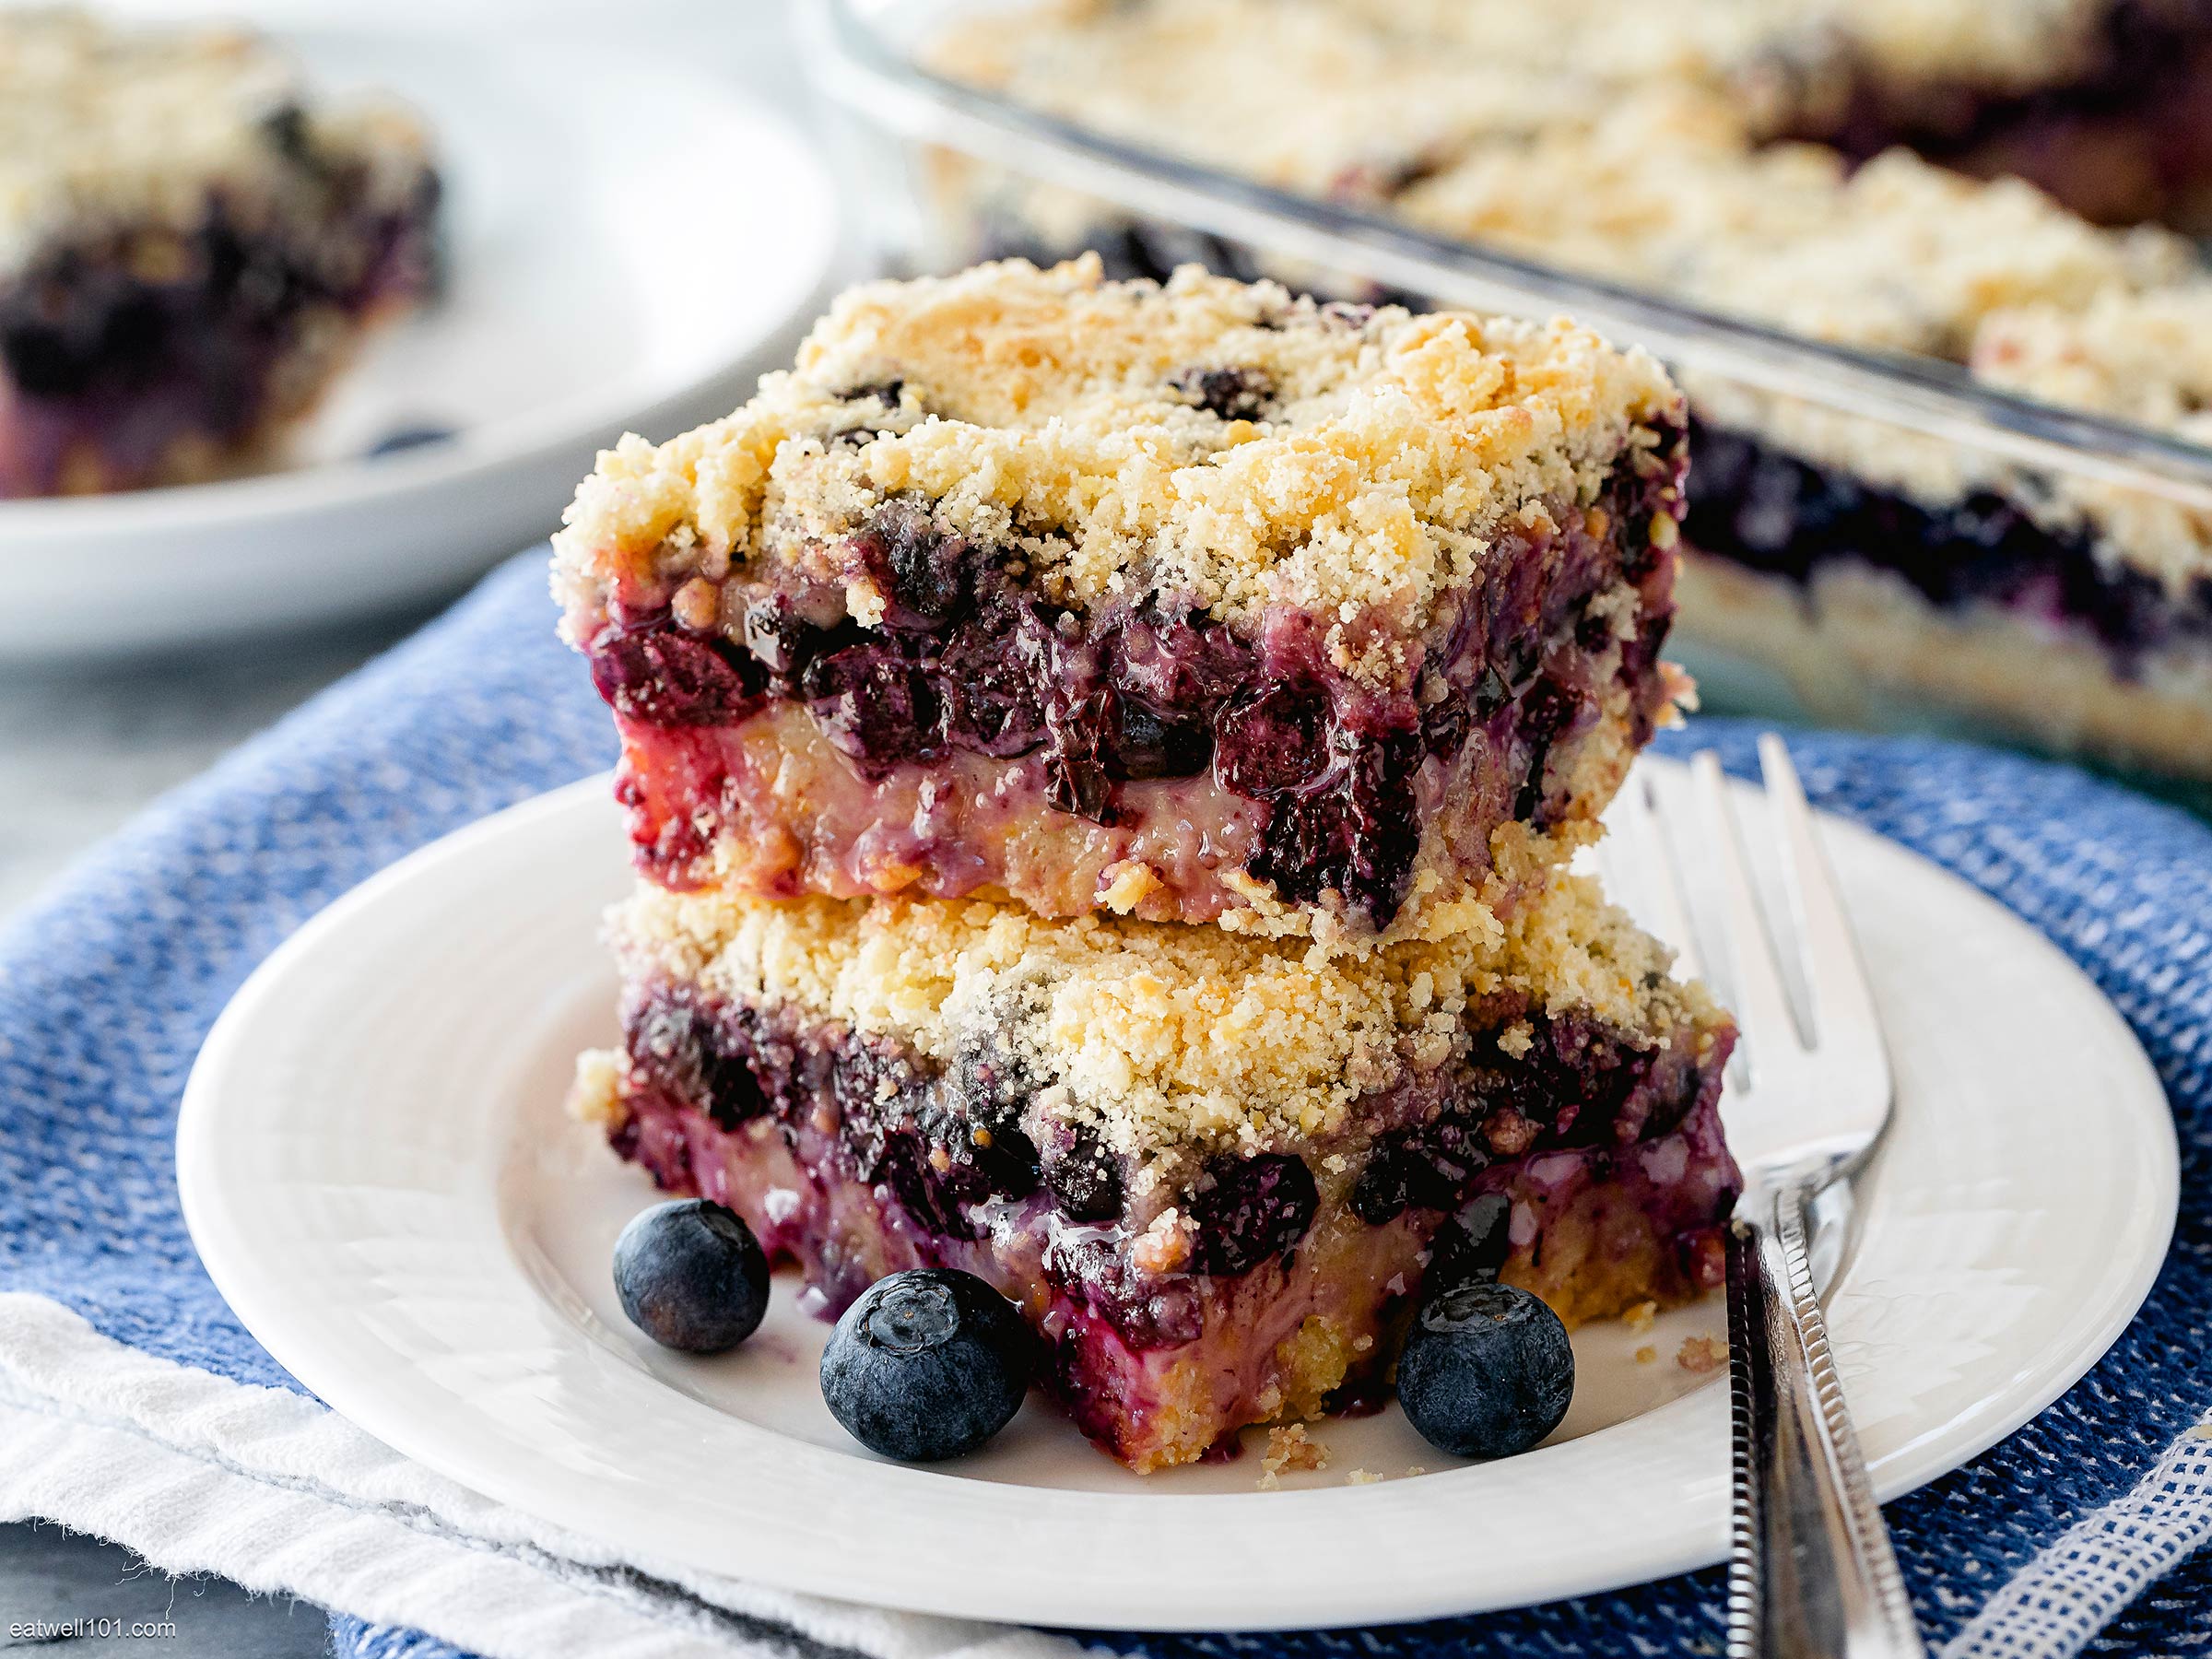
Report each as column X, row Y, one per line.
column 1291, row 1447
column 1364, row 1478
column 1640, row 1317
column 1646, row 1354
column 1702, row 1353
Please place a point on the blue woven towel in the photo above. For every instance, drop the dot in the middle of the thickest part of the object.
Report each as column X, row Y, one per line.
column 107, row 988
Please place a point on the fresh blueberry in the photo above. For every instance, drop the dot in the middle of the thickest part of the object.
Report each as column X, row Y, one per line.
column 691, row 1276
column 927, row 1364
column 1487, row 1372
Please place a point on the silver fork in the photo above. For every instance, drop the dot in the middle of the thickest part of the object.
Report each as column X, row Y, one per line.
column 1810, row 1573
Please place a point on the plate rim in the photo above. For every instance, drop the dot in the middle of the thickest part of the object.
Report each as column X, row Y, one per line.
column 233, row 1269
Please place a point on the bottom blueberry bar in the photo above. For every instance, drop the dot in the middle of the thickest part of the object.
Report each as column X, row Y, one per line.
column 1211, row 1169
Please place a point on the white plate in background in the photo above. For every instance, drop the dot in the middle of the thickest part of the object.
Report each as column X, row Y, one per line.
column 631, row 243
column 378, row 1172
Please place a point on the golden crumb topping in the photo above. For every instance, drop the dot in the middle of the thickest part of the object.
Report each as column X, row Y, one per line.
column 1161, row 1036
column 1209, row 438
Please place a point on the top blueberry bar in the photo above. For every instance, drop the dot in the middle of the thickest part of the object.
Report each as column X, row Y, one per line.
column 1193, row 601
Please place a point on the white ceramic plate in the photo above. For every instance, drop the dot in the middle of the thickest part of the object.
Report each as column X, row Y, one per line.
column 378, row 1173
column 632, row 244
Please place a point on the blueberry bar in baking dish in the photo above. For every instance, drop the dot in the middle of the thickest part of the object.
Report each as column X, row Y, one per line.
column 1875, row 569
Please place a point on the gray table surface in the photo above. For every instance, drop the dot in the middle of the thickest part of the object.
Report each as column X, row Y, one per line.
column 84, row 748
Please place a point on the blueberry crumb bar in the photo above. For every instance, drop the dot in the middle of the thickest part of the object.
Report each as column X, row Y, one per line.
column 1211, row 1169
column 189, row 249
column 1192, row 601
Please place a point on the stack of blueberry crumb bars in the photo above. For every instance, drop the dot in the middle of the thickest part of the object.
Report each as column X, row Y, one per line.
column 1101, row 759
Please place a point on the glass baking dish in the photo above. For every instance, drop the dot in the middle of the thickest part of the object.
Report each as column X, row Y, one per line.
column 2062, row 596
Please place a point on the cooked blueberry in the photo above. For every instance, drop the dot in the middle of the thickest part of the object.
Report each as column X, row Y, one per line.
column 1424, row 1167
column 875, row 706
column 1148, row 743
column 1547, row 711
column 778, row 638
column 1487, row 1372
column 287, row 129
column 691, row 1276
column 1472, row 1246
column 1385, row 1186
column 1084, row 1179
column 927, row 1364
column 1253, row 1208
column 41, row 358
column 884, row 392
column 1235, row 393
column 1358, row 839
column 685, row 1051
column 926, row 573
column 665, row 678
column 1273, row 743
column 1145, row 1310
column 1075, row 780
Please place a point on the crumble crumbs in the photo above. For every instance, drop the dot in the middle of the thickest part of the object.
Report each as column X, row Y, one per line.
column 1126, row 885
column 1640, row 1317
column 1364, row 1478
column 1291, row 1447
column 1646, row 1355
column 1702, row 1353
column 596, row 1095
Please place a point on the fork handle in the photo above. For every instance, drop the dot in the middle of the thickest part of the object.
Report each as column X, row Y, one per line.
column 1810, row 1572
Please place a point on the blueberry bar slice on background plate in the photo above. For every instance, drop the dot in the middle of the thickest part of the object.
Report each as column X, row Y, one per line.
column 189, row 250
column 1196, row 602
column 1212, row 1170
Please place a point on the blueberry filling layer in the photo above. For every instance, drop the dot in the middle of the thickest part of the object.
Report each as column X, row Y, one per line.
column 1756, row 506
column 969, row 660
column 953, row 1150
column 105, row 349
